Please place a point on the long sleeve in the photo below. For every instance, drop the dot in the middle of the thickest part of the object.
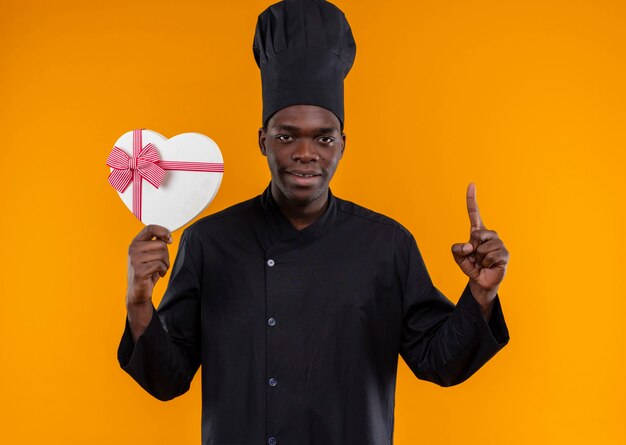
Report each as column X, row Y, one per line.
column 167, row 355
column 441, row 342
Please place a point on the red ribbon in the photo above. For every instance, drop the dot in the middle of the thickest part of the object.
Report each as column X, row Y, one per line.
column 124, row 166
column 146, row 164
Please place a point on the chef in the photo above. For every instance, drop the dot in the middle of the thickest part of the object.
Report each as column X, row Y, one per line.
column 298, row 303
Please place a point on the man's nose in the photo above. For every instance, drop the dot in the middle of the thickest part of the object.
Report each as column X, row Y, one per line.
column 305, row 152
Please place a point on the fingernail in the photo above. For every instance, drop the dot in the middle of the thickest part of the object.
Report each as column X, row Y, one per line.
column 472, row 258
column 468, row 248
column 169, row 238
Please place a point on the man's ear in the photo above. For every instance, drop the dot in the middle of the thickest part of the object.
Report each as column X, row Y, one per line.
column 262, row 141
column 343, row 143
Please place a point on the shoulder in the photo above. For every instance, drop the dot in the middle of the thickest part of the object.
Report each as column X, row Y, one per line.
column 363, row 216
column 237, row 215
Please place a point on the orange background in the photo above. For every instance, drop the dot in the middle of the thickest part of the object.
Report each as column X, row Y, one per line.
column 525, row 98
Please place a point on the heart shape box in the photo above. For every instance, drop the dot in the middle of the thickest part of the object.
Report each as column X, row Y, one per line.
column 182, row 194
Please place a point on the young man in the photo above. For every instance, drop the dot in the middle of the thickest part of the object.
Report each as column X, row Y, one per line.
column 296, row 303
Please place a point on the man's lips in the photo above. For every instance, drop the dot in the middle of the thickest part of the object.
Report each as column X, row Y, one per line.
column 303, row 173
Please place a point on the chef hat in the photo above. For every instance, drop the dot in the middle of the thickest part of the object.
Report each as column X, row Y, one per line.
column 304, row 49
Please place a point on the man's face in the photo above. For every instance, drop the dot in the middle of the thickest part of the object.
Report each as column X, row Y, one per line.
column 303, row 145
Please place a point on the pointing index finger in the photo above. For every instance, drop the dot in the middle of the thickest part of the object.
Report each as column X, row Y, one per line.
column 472, row 208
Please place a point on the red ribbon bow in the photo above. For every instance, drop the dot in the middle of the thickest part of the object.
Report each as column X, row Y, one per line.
column 145, row 163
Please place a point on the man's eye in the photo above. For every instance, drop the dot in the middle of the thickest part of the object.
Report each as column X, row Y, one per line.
column 326, row 139
column 284, row 137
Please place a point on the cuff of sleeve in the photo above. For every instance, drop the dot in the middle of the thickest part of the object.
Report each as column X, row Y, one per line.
column 128, row 350
column 496, row 329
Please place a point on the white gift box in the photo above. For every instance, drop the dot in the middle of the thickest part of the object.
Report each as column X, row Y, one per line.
column 165, row 181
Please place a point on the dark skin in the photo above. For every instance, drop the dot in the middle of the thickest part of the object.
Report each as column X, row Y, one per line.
column 483, row 259
column 303, row 145
column 148, row 260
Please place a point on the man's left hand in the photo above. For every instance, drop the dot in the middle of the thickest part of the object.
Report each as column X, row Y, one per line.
column 483, row 259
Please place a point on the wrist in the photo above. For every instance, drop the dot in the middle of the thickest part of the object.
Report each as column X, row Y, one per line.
column 133, row 304
column 484, row 297
column 139, row 317
column 134, row 298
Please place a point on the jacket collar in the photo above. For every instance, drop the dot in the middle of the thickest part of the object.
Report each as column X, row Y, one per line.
column 282, row 232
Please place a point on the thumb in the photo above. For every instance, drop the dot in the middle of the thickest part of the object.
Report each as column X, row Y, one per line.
column 461, row 250
column 464, row 257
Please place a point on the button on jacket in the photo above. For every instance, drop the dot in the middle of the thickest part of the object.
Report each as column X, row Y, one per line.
column 299, row 332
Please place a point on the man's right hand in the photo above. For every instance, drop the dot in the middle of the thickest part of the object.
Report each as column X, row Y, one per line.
column 148, row 260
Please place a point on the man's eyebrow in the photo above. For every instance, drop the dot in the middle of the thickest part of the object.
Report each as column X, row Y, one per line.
column 321, row 130
column 286, row 128
column 326, row 130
